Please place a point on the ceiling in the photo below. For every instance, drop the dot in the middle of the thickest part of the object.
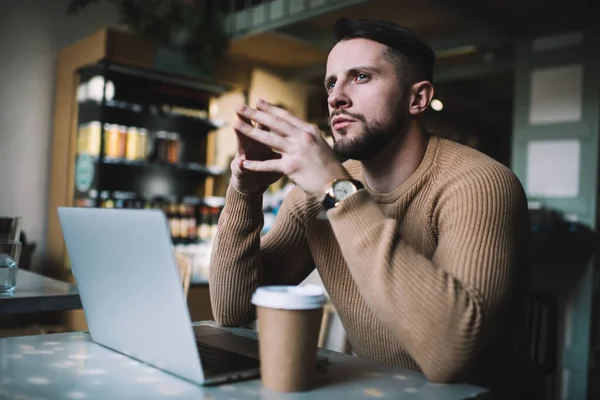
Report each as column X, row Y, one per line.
column 474, row 41
column 300, row 39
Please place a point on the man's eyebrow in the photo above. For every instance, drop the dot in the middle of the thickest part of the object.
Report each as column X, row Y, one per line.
column 364, row 68
column 353, row 71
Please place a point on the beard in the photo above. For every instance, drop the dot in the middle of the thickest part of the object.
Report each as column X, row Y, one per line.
column 374, row 136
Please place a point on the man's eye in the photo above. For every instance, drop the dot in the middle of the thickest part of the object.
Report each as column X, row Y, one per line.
column 330, row 85
column 361, row 77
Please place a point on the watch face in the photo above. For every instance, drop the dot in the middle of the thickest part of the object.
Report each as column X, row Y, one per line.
column 343, row 189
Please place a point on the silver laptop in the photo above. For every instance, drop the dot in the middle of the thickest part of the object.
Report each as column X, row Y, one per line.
column 132, row 297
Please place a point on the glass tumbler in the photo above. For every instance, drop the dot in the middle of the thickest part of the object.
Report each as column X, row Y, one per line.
column 10, row 228
column 10, row 250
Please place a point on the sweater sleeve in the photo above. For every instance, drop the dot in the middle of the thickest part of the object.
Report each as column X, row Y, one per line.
column 241, row 260
column 439, row 309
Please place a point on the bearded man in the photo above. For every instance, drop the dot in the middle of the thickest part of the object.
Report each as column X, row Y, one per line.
column 423, row 247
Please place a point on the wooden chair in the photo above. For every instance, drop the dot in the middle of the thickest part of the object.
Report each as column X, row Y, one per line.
column 184, row 264
column 325, row 335
column 325, row 324
column 27, row 250
column 543, row 338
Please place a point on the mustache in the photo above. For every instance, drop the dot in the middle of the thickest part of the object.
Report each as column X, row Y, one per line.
column 358, row 117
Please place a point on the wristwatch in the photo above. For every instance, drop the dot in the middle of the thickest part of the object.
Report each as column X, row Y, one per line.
column 339, row 190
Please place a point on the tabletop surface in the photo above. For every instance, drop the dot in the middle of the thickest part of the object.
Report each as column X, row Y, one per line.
column 70, row 366
column 38, row 293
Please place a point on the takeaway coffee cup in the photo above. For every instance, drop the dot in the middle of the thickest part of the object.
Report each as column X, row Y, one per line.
column 289, row 321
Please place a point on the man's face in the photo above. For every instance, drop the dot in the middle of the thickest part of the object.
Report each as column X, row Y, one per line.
column 367, row 106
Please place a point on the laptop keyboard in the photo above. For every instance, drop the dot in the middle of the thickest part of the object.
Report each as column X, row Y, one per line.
column 216, row 361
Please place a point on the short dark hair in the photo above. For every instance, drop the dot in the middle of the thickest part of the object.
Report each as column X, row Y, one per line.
column 414, row 58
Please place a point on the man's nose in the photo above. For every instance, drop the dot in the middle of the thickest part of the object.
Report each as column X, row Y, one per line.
column 338, row 99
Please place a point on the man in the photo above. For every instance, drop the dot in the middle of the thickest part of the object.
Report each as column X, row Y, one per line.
column 423, row 248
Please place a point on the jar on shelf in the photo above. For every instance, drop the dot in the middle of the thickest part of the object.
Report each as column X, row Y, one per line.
column 183, row 221
column 108, row 203
column 191, row 216
column 173, row 148
column 174, row 220
column 111, row 140
column 142, row 143
column 95, row 130
column 88, row 140
column 132, row 143
column 122, row 141
column 82, row 139
column 161, row 147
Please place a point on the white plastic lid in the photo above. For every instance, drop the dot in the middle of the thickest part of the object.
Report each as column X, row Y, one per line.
column 304, row 297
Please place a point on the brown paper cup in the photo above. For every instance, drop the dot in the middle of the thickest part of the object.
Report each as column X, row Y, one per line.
column 288, row 333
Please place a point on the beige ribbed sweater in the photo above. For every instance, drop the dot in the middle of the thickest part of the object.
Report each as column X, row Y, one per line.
column 428, row 277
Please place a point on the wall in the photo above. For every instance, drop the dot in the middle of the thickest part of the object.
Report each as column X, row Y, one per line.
column 263, row 85
column 31, row 34
column 555, row 154
column 225, row 137
column 269, row 87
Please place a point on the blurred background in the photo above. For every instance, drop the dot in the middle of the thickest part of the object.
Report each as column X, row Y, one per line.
column 128, row 104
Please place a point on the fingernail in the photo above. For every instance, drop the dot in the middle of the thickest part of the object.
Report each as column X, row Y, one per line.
column 242, row 109
column 261, row 102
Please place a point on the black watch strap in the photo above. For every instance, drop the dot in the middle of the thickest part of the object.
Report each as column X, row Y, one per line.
column 330, row 201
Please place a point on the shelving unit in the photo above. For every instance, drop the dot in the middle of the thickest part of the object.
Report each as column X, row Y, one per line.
column 111, row 87
column 142, row 143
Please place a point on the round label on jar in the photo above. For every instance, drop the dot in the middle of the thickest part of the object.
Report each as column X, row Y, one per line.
column 84, row 173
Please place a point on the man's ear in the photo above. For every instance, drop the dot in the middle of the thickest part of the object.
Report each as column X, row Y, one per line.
column 420, row 97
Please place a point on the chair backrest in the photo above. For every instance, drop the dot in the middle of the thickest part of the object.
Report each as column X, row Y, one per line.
column 185, row 271
column 27, row 249
column 543, row 331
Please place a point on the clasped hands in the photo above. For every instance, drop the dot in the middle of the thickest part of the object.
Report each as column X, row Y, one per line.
column 281, row 144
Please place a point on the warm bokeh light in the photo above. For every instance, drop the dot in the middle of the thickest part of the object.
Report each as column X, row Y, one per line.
column 437, row 105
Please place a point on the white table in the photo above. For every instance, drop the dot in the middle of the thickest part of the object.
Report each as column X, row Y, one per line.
column 37, row 293
column 69, row 366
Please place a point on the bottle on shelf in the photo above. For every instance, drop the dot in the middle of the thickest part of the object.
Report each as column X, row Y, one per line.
column 108, row 203
column 204, row 227
column 172, row 148
column 88, row 140
column 174, row 220
column 191, row 217
column 111, row 140
column 122, row 146
column 142, row 144
column 183, row 221
column 177, row 111
column 161, row 147
column 121, row 142
column 131, row 150
column 84, row 202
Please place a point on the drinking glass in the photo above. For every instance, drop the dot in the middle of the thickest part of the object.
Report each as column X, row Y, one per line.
column 10, row 250
column 10, row 228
